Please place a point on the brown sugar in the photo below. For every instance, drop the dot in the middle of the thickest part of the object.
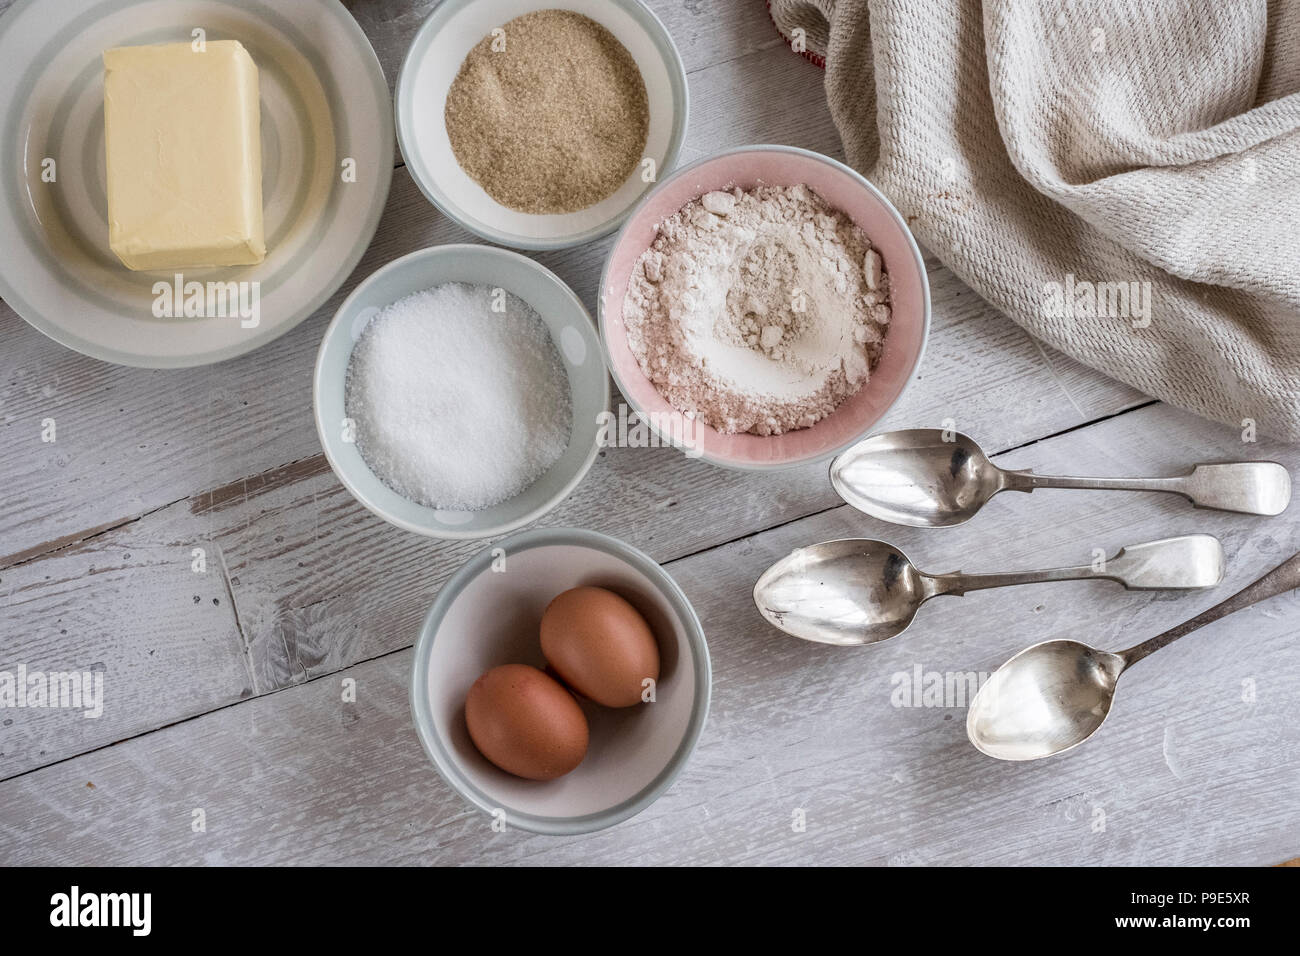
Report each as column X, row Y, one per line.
column 550, row 114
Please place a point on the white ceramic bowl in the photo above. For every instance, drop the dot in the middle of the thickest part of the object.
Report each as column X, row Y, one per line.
column 571, row 329
column 484, row 617
column 436, row 54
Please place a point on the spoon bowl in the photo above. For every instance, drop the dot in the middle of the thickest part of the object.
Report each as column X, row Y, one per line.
column 1055, row 695
column 846, row 592
column 1048, row 698
column 915, row 477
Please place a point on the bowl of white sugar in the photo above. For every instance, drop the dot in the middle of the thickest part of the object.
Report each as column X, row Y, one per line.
column 458, row 391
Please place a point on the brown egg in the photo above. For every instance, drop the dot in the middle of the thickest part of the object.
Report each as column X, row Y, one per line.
column 526, row 723
column 600, row 645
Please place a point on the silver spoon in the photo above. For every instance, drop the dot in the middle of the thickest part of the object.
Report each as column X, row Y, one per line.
column 858, row 591
column 1055, row 695
column 914, row 477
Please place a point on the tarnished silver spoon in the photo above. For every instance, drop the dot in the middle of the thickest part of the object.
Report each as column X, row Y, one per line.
column 858, row 591
column 915, row 477
column 1055, row 695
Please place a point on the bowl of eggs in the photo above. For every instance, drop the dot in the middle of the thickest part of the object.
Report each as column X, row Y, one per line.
column 561, row 681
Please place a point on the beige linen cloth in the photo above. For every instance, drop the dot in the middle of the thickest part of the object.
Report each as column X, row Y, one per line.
column 1034, row 146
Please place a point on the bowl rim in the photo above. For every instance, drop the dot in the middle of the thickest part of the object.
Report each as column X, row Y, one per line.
column 918, row 258
column 377, row 82
column 318, row 375
column 662, row 39
column 443, row 760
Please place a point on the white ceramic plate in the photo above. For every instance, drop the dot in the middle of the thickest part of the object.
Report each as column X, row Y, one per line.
column 435, row 57
column 324, row 100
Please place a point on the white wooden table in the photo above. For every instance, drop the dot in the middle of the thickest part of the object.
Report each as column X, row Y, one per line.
column 223, row 689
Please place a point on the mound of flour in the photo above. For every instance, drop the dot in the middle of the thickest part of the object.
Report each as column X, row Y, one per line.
column 757, row 310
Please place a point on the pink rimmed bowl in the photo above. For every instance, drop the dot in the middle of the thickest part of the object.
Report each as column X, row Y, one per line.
column 847, row 191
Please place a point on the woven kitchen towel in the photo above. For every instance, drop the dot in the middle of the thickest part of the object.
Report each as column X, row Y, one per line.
column 1076, row 162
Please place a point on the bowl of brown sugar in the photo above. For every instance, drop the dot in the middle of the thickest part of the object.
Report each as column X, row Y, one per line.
column 540, row 125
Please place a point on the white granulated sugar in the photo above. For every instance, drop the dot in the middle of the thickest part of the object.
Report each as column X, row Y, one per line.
column 758, row 310
column 458, row 406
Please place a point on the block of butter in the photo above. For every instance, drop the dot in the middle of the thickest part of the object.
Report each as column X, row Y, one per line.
column 184, row 150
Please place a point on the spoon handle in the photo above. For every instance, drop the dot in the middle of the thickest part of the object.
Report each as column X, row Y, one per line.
column 1182, row 563
column 1285, row 577
column 958, row 583
column 1246, row 487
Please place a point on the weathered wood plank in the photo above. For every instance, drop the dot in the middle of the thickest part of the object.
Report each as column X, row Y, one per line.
column 154, row 620
column 1190, row 769
column 786, row 92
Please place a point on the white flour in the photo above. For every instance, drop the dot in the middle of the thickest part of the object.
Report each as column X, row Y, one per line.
column 757, row 311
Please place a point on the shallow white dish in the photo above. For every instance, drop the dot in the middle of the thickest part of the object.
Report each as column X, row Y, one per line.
column 436, row 54
column 572, row 331
column 324, row 100
column 489, row 612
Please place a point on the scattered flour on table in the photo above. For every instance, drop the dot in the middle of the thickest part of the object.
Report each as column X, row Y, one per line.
column 458, row 406
column 757, row 310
